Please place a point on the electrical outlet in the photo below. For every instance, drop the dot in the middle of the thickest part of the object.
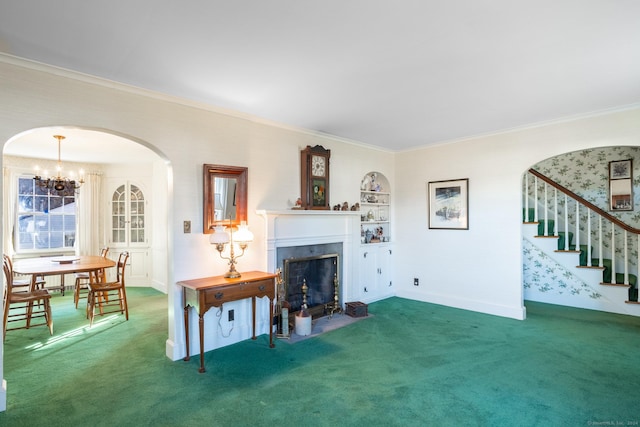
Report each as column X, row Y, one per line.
column 416, row 281
column 231, row 315
column 187, row 226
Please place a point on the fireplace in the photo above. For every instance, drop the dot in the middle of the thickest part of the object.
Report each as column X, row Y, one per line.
column 300, row 234
column 317, row 267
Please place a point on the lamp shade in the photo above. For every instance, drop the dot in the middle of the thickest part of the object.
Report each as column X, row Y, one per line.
column 220, row 235
column 243, row 234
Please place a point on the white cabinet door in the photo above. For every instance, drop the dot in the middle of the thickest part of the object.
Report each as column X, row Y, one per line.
column 385, row 264
column 368, row 273
column 375, row 272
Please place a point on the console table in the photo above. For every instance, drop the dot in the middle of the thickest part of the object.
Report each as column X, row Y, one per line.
column 202, row 294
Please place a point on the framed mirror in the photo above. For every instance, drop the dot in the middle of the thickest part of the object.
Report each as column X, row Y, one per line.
column 621, row 185
column 225, row 196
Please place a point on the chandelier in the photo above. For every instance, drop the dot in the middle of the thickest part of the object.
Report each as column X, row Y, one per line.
column 58, row 184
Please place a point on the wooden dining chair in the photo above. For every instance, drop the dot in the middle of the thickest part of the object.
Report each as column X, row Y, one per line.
column 23, row 306
column 82, row 279
column 110, row 297
column 21, row 283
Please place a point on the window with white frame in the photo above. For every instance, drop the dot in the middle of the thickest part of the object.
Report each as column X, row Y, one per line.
column 45, row 221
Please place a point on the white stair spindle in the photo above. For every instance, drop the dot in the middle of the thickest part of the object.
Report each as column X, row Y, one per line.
column 526, row 197
column 589, row 237
column 613, row 253
column 626, row 259
column 535, row 197
column 577, row 226
column 546, row 212
column 555, row 212
column 566, row 223
column 600, row 263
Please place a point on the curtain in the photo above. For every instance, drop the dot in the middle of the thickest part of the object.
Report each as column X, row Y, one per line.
column 10, row 189
column 90, row 214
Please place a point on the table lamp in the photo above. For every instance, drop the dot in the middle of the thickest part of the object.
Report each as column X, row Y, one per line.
column 220, row 237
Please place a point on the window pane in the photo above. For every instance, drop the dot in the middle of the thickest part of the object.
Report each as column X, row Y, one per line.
column 56, row 240
column 25, row 203
column 25, row 185
column 69, row 205
column 69, row 239
column 42, row 204
column 26, row 223
column 55, row 203
column 70, row 223
column 25, row 241
column 44, row 221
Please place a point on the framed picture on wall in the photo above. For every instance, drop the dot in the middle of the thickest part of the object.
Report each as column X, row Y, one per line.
column 449, row 204
column 621, row 185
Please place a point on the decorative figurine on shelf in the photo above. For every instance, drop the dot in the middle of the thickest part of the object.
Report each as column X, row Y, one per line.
column 368, row 236
column 345, row 206
column 364, row 185
column 355, row 207
column 372, row 182
column 336, row 207
column 298, row 204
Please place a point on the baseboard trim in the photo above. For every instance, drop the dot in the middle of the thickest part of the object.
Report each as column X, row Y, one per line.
column 518, row 313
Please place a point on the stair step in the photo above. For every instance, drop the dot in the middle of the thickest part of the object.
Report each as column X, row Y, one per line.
column 550, row 227
column 531, row 217
column 562, row 239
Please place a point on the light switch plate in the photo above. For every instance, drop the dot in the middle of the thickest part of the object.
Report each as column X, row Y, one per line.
column 187, row 226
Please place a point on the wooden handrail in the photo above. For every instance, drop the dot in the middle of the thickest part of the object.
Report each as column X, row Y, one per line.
column 582, row 201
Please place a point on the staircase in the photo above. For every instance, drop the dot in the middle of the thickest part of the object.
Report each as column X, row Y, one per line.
column 576, row 254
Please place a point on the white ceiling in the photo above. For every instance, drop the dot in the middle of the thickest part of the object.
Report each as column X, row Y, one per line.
column 396, row 74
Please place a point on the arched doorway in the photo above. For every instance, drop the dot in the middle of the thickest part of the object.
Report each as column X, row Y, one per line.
column 549, row 268
column 114, row 154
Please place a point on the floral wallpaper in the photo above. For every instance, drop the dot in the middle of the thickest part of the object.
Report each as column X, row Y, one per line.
column 586, row 173
column 543, row 274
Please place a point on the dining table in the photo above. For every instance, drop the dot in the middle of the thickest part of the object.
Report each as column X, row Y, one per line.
column 61, row 265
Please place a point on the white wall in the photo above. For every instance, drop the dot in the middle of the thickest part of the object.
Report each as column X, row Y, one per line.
column 481, row 269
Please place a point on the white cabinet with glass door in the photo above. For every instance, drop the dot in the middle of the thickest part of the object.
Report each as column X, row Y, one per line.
column 127, row 228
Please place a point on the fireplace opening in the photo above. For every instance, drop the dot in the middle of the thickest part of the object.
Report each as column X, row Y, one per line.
column 321, row 274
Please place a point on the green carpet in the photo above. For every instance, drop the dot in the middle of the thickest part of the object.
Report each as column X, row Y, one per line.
column 411, row 364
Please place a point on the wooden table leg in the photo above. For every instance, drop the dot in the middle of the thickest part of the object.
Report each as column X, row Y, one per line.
column 253, row 305
column 271, row 344
column 201, row 325
column 186, row 331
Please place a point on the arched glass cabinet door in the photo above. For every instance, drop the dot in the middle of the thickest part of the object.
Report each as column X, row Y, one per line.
column 128, row 215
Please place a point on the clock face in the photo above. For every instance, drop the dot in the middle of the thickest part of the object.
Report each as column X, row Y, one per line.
column 318, row 165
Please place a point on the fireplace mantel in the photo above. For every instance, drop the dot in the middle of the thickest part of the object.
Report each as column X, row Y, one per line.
column 286, row 228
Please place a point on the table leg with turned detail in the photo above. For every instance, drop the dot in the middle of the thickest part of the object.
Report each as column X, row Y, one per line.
column 202, row 294
column 186, row 331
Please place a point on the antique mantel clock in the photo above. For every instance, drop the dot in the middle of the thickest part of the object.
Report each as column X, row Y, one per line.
column 315, row 177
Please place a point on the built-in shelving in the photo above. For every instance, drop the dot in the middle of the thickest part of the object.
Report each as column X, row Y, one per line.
column 375, row 208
